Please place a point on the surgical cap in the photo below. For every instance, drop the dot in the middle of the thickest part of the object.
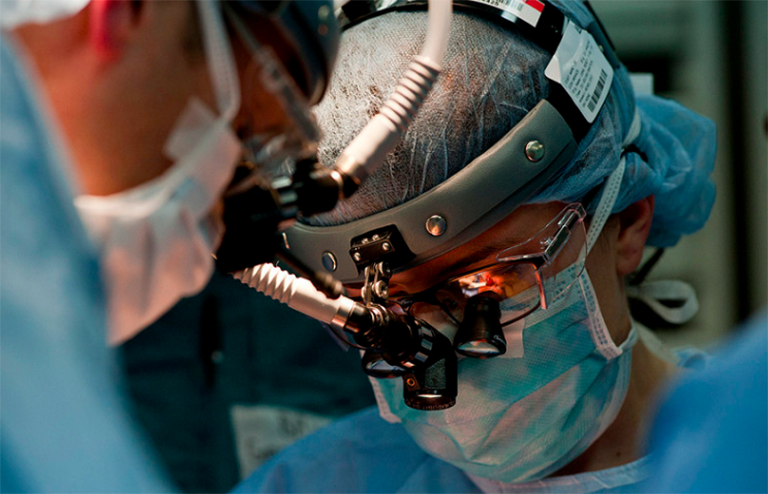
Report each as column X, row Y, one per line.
column 492, row 77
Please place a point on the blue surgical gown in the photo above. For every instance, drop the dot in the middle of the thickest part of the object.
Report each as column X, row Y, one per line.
column 711, row 434
column 63, row 426
column 363, row 453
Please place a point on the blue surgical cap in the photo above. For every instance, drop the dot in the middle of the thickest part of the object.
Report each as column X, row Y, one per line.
column 492, row 77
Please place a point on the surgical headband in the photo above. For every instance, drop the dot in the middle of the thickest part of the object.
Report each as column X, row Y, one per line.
column 493, row 77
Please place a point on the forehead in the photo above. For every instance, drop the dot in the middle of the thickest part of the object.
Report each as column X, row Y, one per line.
column 520, row 225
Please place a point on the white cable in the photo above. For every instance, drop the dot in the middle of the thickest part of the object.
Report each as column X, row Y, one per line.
column 380, row 136
column 360, row 158
column 297, row 293
column 438, row 30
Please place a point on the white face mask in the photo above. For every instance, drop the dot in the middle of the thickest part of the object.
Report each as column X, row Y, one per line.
column 157, row 239
column 519, row 419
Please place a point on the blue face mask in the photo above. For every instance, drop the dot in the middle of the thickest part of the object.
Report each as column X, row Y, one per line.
column 524, row 418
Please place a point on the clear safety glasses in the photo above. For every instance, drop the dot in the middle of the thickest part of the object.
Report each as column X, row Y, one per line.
column 527, row 276
column 286, row 130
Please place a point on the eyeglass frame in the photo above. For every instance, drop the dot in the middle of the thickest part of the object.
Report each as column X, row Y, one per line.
column 568, row 218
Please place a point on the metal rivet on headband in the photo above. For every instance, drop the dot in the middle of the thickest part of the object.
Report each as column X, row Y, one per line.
column 436, row 225
column 322, row 14
column 534, row 151
column 329, row 261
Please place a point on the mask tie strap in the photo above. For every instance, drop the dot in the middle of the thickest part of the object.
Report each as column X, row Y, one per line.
column 605, row 206
column 221, row 62
column 612, row 187
column 672, row 300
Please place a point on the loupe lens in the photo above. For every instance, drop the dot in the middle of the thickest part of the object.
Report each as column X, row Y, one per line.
column 480, row 334
column 480, row 349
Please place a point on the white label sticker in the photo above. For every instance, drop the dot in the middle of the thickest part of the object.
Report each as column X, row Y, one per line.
column 525, row 10
column 582, row 69
column 262, row 430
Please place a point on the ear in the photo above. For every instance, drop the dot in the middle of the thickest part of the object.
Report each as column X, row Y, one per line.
column 635, row 226
column 112, row 24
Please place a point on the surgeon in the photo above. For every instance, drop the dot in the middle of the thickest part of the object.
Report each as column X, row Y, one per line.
column 122, row 124
column 523, row 194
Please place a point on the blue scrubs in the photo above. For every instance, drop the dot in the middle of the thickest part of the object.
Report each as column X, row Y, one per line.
column 63, row 427
column 364, row 453
column 711, row 434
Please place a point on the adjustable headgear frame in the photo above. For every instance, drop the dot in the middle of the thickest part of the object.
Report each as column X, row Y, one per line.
column 520, row 164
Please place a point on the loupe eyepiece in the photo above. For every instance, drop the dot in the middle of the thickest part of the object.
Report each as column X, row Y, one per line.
column 433, row 385
column 480, row 334
column 400, row 345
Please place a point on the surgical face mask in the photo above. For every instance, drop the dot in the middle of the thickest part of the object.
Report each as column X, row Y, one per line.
column 525, row 415
column 519, row 419
column 156, row 239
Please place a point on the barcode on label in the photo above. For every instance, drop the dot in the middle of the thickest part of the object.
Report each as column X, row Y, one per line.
column 502, row 3
column 598, row 91
column 528, row 11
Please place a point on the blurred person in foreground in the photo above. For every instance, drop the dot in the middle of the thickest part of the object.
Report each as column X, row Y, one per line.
column 711, row 432
column 122, row 123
